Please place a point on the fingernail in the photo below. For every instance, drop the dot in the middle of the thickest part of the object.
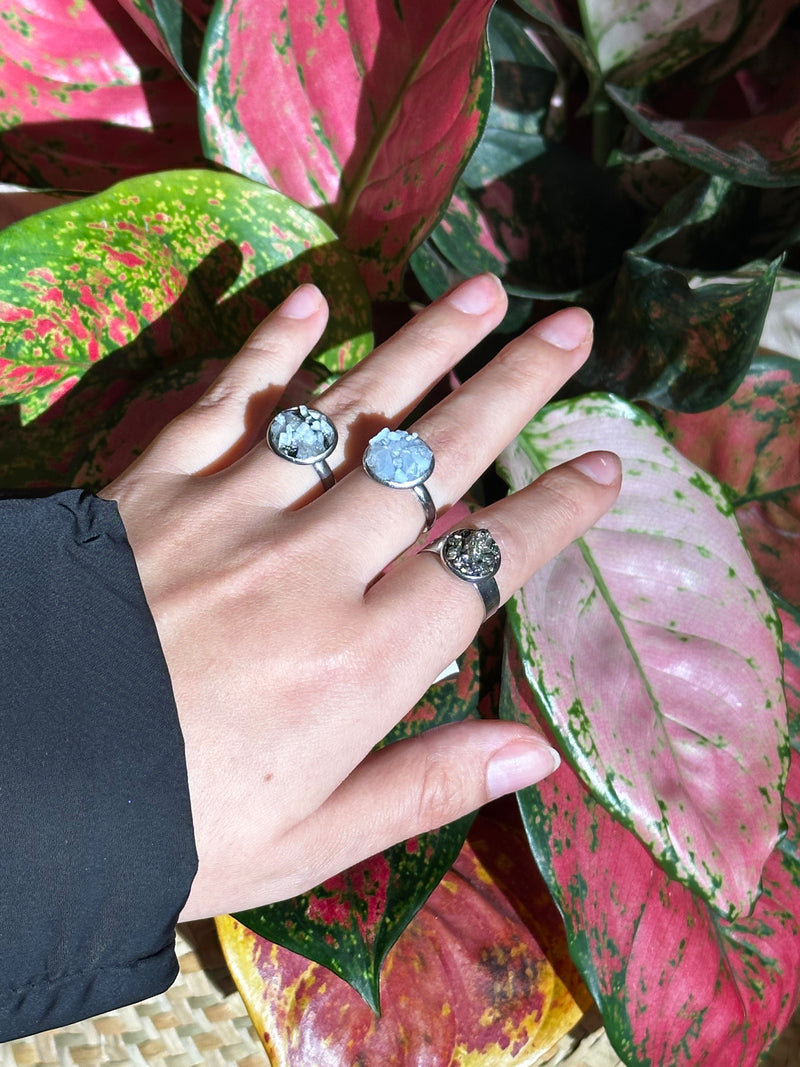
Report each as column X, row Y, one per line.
column 602, row 467
column 476, row 295
column 518, row 765
column 302, row 303
column 566, row 329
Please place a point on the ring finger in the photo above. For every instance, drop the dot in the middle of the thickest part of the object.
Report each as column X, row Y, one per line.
column 382, row 389
column 466, row 432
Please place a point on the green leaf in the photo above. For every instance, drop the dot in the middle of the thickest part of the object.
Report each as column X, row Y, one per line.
column 331, row 104
column 349, row 923
column 653, row 649
column 167, row 266
column 183, row 25
column 563, row 18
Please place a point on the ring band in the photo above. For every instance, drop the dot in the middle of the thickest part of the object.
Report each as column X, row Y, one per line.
column 402, row 460
column 472, row 555
column 304, row 435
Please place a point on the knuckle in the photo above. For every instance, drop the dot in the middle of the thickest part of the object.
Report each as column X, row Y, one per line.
column 564, row 502
column 442, row 795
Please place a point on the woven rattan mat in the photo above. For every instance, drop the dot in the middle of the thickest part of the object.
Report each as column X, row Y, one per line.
column 202, row 1019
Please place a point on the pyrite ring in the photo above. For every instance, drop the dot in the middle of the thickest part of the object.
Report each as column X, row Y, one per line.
column 304, row 435
column 473, row 556
column 402, row 460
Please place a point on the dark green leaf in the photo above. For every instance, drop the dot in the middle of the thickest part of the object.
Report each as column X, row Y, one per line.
column 679, row 338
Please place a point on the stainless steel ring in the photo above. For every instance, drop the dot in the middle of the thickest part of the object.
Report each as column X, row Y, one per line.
column 474, row 556
column 401, row 460
column 306, row 436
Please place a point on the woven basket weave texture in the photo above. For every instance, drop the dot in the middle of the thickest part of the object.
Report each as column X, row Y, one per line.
column 202, row 1019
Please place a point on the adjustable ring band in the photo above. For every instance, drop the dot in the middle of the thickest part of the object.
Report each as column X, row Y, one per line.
column 304, row 435
column 474, row 557
column 402, row 460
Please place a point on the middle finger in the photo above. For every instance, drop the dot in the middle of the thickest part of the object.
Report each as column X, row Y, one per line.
column 466, row 432
column 383, row 388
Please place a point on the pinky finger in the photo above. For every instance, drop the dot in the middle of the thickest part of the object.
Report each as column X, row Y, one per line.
column 421, row 784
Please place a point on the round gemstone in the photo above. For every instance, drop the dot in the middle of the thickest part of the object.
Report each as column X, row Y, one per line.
column 398, row 458
column 302, row 434
column 471, row 554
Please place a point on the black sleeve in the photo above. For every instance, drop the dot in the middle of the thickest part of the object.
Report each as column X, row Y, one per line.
column 96, row 843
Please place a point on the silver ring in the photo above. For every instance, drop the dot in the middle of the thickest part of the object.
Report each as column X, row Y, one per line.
column 474, row 557
column 402, row 460
column 304, row 435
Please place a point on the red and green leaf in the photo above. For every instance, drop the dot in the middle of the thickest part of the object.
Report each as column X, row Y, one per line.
column 99, row 296
column 479, row 977
column 162, row 263
column 332, row 105
column 653, row 648
column 349, row 923
column 752, row 445
column 87, row 98
column 678, row 986
column 761, row 149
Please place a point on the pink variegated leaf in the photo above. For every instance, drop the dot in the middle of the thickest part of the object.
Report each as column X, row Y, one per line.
column 366, row 113
column 87, row 98
column 678, row 986
column 653, row 648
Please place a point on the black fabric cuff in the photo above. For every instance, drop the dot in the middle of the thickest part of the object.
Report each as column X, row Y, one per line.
column 96, row 840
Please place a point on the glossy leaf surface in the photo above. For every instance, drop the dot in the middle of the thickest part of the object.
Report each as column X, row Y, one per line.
column 653, row 647
column 331, row 104
column 761, row 150
column 349, row 923
column 164, row 267
column 87, row 98
column 678, row 986
column 681, row 339
column 480, row 978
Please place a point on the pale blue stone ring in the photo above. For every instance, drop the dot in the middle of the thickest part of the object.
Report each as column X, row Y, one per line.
column 402, row 460
column 304, row 435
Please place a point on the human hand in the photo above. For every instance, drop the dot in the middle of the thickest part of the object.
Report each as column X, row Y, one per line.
column 291, row 653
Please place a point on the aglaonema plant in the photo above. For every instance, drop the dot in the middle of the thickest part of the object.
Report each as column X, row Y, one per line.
column 641, row 159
